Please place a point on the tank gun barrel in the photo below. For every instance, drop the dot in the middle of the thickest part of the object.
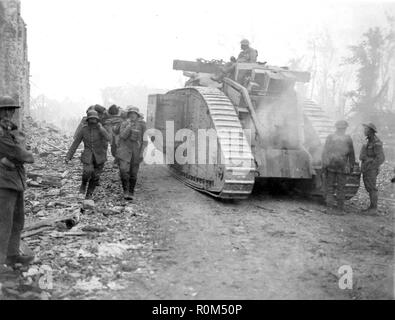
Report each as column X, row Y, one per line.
column 197, row 66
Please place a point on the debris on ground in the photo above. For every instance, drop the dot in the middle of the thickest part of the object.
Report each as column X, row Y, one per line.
column 78, row 244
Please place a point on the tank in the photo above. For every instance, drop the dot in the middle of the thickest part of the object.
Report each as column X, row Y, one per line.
column 223, row 136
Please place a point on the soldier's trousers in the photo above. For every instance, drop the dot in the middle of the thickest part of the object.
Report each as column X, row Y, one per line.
column 129, row 170
column 335, row 182
column 12, row 219
column 114, row 144
column 91, row 173
column 369, row 178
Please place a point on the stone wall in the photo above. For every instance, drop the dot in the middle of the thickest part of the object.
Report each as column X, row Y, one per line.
column 14, row 64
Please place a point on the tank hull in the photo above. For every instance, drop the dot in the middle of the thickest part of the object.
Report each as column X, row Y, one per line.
column 203, row 141
column 227, row 165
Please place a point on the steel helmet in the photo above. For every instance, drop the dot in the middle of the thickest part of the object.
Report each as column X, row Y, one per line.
column 245, row 42
column 341, row 124
column 131, row 109
column 113, row 110
column 370, row 126
column 92, row 114
column 8, row 102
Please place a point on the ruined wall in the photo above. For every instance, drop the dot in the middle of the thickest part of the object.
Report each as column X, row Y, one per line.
column 14, row 64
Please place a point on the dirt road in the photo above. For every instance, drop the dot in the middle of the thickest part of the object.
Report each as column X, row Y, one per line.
column 263, row 248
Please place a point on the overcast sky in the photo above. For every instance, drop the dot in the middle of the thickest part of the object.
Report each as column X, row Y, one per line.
column 77, row 47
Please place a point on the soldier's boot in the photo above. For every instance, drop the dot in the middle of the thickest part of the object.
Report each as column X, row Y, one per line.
column 91, row 189
column 373, row 203
column 84, row 183
column 125, row 187
column 340, row 206
column 7, row 274
column 132, row 186
column 370, row 207
column 330, row 204
column 83, row 188
column 19, row 259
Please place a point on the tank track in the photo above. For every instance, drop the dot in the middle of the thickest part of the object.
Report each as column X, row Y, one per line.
column 238, row 181
column 321, row 123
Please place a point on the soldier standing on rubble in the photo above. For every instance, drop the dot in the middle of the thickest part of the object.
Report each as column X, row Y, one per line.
column 12, row 185
column 94, row 156
column 372, row 157
column 102, row 112
column 338, row 160
column 131, row 150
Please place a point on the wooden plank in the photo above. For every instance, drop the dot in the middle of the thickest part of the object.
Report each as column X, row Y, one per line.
column 46, row 180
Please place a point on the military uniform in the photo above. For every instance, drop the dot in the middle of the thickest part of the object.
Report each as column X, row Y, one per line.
column 248, row 55
column 93, row 157
column 13, row 155
column 101, row 113
column 338, row 159
column 372, row 157
column 112, row 124
column 130, row 149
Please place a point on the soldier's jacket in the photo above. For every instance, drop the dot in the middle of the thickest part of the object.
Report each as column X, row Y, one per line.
column 249, row 55
column 12, row 176
column 338, row 153
column 372, row 155
column 95, row 144
column 84, row 122
column 113, row 122
column 131, row 136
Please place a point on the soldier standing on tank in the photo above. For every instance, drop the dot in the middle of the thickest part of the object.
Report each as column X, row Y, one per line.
column 338, row 160
column 247, row 55
column 372, row 157
column 13, row 155
column 131, row 150
column 94, row 156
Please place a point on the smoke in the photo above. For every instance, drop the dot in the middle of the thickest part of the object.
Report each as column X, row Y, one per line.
column 281, row 122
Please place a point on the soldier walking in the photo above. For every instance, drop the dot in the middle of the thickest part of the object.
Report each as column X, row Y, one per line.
column 112, row 124
column 338, row 160
column 102, row 113
column 372, row 157
column 13, row 155
column 94, row 156
column 130, row 150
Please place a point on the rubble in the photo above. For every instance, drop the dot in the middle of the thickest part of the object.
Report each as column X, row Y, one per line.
column 88, row 204
column 92, row 253
column 83, row 242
